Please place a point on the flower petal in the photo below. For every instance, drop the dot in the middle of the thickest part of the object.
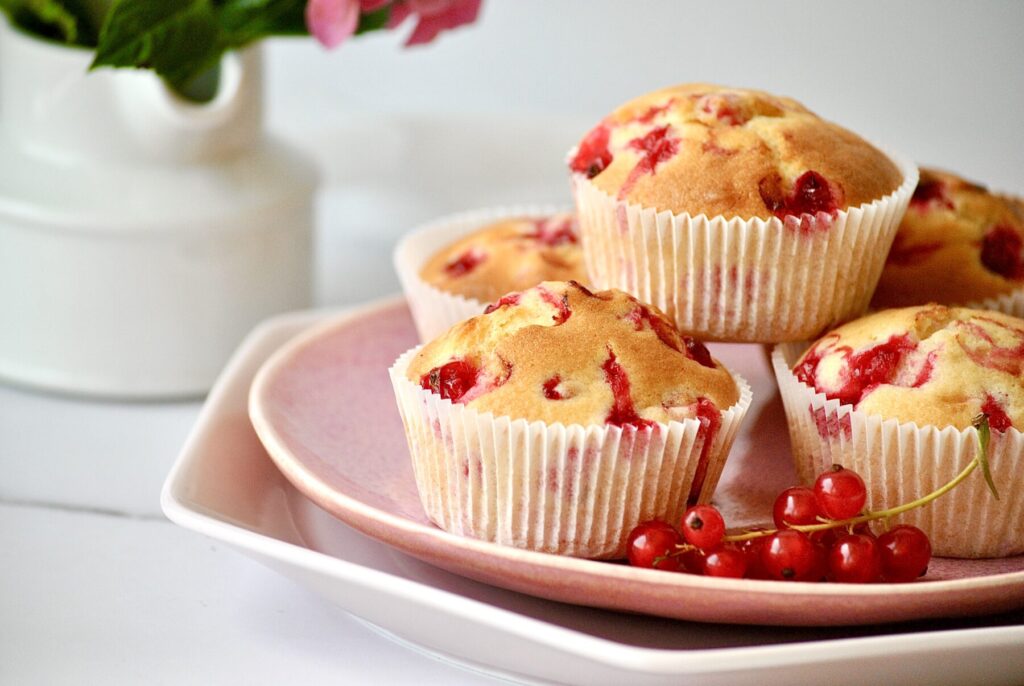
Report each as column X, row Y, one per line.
column 332, row 21
column 399, row 12
column 457, row 13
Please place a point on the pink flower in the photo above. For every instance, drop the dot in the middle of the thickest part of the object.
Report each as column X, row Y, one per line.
column 434, row 16
column 332, row 21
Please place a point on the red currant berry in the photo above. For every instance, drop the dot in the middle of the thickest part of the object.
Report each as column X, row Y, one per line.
column 692, row 561
column 840, row 493
column 452, row 380
column 725, row 562
column 905, row 553
column 864, row 528
column 826, row 537
column 797, row 505
column 650, row 544
column 812, row 193
column 854, row 559
column 751, row 548
column 790, row 555
column 819, row 572
column 703, row 526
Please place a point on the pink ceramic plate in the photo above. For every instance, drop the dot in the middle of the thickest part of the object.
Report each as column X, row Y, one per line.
column 324, row 409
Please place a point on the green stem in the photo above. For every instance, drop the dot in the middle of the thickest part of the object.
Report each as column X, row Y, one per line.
column 980, row 459
column 749, row 535
column 892, row 511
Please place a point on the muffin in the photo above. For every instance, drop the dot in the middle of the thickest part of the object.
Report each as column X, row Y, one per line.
column 742, row 215
column 957, row 244
column 893, row 396
column 561, row 418
column 508, row 255
column 451, row 268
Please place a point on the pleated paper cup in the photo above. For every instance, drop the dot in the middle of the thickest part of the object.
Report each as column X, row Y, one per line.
column 434, row 311
column 569, row 490
column 901, row 462
column 1011, row 303
column 754, row 280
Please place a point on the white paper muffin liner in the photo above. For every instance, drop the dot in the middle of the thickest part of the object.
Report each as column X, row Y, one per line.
column 570, row 490
column 434, row 311
column 901, row 462
column 756, row 280
column 1011, row 303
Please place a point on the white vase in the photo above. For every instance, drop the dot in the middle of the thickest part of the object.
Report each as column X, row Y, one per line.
column 141, row 235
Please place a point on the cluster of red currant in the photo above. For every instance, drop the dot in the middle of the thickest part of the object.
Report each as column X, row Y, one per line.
column 821, row 535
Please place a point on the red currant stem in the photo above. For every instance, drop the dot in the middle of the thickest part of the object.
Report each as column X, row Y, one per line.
column 892, row 511
column 980, row 459
column 749, row 535
column 680, row 548
column 981, row 424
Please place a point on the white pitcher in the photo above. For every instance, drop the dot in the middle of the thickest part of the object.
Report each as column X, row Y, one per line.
column 141, row 235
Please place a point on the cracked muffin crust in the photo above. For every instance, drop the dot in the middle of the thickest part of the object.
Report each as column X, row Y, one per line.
column 560, row 353
column 508, row 255
column 932, row 365
column 958, row 243
column 712, row 150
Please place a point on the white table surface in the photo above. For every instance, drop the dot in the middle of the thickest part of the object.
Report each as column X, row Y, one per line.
column 97, row 587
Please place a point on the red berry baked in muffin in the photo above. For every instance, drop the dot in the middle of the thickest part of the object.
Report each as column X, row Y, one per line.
column 723, row 206
column 932, row 365
column 561, row 418
column 893, row 396
column 559, row 353
column 958, row 243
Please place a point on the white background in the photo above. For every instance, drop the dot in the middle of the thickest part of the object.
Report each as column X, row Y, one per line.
column 95, row 587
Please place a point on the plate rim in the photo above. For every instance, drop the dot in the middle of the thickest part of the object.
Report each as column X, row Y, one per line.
column 208, row 521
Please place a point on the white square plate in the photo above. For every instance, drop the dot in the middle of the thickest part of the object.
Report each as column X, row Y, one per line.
column 224, row 486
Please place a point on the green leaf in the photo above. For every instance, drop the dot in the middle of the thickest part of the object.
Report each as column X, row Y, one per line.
column 245, row 21
column 179, row 39
column 373, row 21
column 984, row 435
column 47, row 18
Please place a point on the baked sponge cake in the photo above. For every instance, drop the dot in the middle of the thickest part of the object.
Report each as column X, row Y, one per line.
column 931, row 365
column 705, row 149
column 560, row 353
column 507, row 255
column 725, row 207
column 893, row 396
column 958, row 243
column 561, row 418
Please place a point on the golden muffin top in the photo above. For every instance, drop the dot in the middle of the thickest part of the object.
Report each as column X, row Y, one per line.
column 958, row 243
column 560, row 353
column 705, row 149
column 932, row 364
column 508, row 255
